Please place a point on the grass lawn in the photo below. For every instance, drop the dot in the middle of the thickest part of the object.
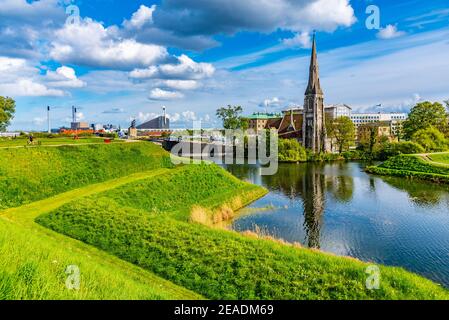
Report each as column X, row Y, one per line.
column 22, row 142
column 442, row 158
column 146, row 223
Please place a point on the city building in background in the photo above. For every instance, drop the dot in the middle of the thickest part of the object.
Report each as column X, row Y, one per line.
column 379, row 128
column 260, row 121
column 395, row 120
column 337, row 111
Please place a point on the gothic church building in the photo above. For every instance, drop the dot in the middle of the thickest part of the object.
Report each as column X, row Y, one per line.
column 314, row 135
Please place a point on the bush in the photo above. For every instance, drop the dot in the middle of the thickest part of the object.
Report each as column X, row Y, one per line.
column 431, row 139
column 388, row 150
column 113, row 135
column 290, row 150
column 356, row 155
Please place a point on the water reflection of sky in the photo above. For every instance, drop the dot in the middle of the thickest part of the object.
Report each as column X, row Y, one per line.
column 339, row 208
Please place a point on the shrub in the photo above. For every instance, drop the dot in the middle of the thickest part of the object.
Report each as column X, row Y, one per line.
column 290, row 150
column 388, row 150
column 431, row 139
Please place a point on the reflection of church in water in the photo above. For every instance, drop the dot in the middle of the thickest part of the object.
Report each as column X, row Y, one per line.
column 313, row 189
column 314, row 138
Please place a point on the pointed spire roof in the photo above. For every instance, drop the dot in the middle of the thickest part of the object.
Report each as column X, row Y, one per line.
column 314, row 86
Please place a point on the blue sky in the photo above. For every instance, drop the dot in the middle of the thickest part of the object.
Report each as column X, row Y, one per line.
column 126, row 59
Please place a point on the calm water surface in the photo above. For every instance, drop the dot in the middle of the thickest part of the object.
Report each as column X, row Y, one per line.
column 339, row 208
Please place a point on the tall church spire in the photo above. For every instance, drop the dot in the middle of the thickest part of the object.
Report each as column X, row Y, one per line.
column 314, row 135
column 314, row 86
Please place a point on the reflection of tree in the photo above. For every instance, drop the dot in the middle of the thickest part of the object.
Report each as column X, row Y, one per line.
column 372, row 184
column 420, row 192
column 342, row 187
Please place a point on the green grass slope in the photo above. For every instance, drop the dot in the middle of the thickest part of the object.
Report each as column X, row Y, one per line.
column 32, row 174
column 33, row 267
column 441, row 158
column 146, row 223
column 34, row 258
column 415, row 166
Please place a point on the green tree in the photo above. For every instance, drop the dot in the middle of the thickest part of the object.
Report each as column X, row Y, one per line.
column 342, row 130
column 244, row 124
column 230, row 116
column 431, row 139
column 290, row 150
column 7, row 110
column 425, row 115
column 330, row 129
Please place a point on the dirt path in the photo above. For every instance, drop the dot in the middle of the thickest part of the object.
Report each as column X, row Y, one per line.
column 426, row 157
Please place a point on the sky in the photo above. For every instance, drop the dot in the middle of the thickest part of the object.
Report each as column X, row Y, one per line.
column 121, row 60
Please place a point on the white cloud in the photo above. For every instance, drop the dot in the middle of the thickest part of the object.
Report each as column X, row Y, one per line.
column 28, row 88
column 144, row 117
column 23, row 11
column 39, row 121
column 174, row 117
column 301, row 40
column 23, row 24
column 274, row 102
column 185, row 69
column 390, row 32
column 183, row 117
column 64, row 77
column 212, row 17
column 189, row 115
column 19, row 79
column 160, row 94
column 114, row 111
column 181, row 84
column 89, row 43
column 143, row 16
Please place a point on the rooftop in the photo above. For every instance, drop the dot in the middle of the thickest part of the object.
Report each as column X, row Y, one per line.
column 264, row 116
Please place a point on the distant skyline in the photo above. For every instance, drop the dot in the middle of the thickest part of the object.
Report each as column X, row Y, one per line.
column 126, row 59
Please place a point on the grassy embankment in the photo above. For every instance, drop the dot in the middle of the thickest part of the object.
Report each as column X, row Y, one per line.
column 147, row 223
column 34, row 258
column 145, row 219
column 432, row 167
column 32, row 174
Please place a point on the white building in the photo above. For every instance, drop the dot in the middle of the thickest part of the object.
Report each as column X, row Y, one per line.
column 338, row 110
column 395, row 119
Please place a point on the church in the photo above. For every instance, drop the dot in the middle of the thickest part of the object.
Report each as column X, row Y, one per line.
column 308, row 124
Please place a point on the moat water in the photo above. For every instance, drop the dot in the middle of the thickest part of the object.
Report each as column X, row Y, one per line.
column 339, row 208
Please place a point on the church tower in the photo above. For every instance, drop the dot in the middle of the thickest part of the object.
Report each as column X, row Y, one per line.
column 314, row 129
